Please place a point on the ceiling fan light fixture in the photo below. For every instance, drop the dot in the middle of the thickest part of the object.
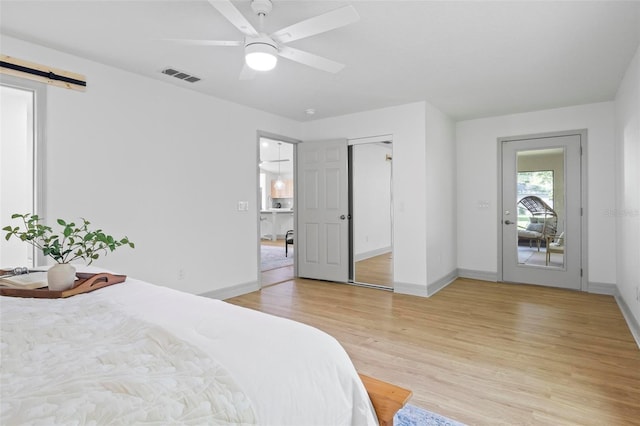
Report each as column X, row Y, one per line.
column 261, row 56
column 279, row 184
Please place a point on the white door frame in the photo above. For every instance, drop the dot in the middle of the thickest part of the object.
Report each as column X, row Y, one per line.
column 583, row 193
column 294, row 142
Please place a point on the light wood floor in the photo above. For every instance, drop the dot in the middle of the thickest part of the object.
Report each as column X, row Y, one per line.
column 276, row 243
column 375, row 270
column 275, row 276
column 478, row 352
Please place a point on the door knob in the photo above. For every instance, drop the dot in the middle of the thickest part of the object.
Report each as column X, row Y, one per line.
column 508, row 222
column 343, row 217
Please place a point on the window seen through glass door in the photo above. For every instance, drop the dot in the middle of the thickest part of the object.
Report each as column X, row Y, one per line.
column 540, row 207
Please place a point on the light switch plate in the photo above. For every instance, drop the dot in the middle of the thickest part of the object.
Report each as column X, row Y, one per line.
column 243, row 206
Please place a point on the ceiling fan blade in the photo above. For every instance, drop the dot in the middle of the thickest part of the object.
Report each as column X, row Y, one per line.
column 247, row 73
column 233, row 15
column 310, row 59
column 318, row 24
column 204, row 42
column 275, row 161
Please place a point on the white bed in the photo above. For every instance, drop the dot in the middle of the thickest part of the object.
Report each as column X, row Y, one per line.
column 136, row 353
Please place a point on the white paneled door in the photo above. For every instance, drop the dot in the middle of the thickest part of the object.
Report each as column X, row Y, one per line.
column 323, row 210
column 542, row 220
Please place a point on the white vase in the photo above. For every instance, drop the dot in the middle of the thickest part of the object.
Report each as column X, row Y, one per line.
column 61, row 276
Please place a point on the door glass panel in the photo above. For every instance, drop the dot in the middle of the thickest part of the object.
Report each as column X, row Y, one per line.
column 540, row 208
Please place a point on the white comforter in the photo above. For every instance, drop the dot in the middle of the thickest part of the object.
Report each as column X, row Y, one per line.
column 137, row 353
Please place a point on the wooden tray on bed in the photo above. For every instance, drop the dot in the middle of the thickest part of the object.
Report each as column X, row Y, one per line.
column 86, row 282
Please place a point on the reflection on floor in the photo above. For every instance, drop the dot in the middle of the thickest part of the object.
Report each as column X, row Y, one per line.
column 276, row 276
column 272, row 271
column 376, row 270
column 532, row 257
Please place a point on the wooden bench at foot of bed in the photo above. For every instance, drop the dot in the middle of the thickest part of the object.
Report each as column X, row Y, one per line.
column 386, row 398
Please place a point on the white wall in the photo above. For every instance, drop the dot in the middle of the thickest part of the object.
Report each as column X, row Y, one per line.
column 477, row 154
column 164, row 165
column 627, row 207
column 441, row 198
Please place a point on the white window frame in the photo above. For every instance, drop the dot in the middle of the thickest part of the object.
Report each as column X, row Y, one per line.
column 39, row 91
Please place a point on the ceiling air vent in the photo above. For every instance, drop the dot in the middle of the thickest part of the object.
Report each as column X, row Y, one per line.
column 180, row 75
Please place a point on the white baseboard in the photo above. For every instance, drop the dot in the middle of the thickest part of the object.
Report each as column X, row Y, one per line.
column 439, row 284
column 425, row 291
column 410, row 289
column 233, row 291
column 634, row 327
column 478, row 275
column 372, row 253
column 609, row 289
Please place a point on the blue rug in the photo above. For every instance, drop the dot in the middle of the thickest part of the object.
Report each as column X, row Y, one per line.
column 410, row 415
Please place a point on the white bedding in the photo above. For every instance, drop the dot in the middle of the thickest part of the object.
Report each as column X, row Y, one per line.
column 137, row 353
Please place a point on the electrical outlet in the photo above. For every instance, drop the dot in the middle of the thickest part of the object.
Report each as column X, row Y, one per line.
column 181, row 274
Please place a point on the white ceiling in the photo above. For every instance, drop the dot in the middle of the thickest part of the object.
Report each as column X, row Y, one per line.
column 470, row 59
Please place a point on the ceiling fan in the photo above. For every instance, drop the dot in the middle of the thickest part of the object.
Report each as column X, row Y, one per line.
column 264, row 164
column 262, row 50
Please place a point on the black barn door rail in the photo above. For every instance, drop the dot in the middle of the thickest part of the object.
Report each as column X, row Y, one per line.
column 24, row 69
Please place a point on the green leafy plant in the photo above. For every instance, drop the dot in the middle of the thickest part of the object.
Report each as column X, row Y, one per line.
column 71, row 243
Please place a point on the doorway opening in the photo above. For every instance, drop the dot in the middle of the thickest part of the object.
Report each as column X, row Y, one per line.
column 276, row 210
column 21, row 163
